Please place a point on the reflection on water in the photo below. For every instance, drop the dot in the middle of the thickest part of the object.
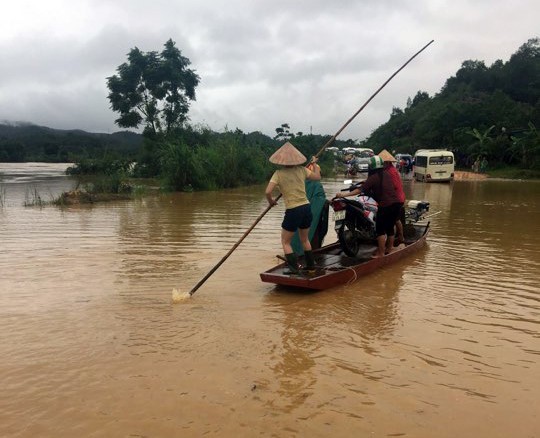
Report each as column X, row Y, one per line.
column 310, row 322
column 444, row 343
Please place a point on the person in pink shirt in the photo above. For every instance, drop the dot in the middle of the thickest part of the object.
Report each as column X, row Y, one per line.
column 382, row 187
column 390, row 169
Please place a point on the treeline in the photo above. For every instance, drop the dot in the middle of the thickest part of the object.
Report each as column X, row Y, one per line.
column 25, row 142
column 482, row 111
column 193, row 157
column 197, row 158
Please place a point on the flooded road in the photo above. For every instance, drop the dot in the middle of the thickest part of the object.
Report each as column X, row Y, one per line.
column 445, row 343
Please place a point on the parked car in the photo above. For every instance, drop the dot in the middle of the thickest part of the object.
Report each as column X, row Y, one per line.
column 362, row 159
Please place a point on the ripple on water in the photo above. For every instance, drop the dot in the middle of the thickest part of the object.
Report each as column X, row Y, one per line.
column 89, row 334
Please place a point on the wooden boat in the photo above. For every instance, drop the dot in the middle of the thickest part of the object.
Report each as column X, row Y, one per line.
column 334, row 267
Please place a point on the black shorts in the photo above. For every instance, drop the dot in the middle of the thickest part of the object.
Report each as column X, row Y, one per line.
column 297, row 217
column 386, row 219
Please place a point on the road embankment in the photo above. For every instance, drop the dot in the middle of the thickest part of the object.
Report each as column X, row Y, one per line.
column 461, row 175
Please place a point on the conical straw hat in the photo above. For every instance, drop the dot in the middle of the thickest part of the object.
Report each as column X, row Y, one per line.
column 387, row 156
column 288, row 155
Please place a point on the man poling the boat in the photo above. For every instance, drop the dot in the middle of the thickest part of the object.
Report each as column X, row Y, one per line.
column 290, row 179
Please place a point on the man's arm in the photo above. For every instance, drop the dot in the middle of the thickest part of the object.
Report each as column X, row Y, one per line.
column 268, row 192
column 315, row 170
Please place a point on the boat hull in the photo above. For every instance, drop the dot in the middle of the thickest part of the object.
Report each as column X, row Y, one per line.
column 335, row 268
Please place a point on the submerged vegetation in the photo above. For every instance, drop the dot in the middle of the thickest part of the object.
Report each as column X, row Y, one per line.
column 2, row 195
column 86, row 194
column 32, row 198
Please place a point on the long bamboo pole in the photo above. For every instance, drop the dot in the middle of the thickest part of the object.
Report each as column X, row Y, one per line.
column 226, row 256
column 333, row 138
column 328, row 143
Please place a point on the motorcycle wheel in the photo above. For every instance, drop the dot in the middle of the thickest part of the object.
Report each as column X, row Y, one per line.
column 348, row 241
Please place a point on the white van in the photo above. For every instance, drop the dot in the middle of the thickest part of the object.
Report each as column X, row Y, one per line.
column 333, row 149
column 433, row 165
column 359, row 152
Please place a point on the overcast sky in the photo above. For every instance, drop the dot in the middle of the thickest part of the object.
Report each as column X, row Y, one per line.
column 310, row 63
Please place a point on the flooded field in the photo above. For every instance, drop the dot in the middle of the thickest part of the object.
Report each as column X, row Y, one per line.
column 445, row 343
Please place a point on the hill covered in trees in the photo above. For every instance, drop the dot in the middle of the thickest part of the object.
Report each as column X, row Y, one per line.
column 490, row 111
column 27, row 142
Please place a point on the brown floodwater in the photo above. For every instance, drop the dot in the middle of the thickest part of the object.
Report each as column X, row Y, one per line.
column 445, row 343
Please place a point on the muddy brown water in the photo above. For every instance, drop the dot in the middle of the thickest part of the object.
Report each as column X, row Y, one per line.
column 445, row 343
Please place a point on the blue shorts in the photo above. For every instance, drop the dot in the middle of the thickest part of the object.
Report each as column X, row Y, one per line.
column 297, row 217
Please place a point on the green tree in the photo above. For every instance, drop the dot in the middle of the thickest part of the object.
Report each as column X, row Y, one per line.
column 523, row 73
column 12, row 151
column 154, row 89
column 421, row 96
column 283, row 133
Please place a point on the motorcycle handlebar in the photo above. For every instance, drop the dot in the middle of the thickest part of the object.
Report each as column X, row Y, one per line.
column 349, row 189
column 354, row 186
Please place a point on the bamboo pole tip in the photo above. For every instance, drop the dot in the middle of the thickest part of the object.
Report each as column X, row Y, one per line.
column 178, row 296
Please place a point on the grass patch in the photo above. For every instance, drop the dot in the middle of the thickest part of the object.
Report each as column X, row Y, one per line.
column 514, row 173
column 32, row 198
column 75, row 197
column 103, row 188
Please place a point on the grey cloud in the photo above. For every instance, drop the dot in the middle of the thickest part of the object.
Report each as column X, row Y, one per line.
column 308, row 62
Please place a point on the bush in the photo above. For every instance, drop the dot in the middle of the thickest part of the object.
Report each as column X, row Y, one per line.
column 224, row 163
column 514, row 173
column 114, row 183
column 105, row 166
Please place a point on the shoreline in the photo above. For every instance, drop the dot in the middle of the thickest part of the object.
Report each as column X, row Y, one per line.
column 463, row 175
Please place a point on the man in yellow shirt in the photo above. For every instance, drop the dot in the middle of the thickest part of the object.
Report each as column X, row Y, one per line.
column 290, row 179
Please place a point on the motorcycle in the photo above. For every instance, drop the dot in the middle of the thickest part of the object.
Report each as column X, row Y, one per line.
column 355, row 219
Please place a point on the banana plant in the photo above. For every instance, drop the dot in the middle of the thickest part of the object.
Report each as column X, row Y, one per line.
column 483, row 140
column 526, row 146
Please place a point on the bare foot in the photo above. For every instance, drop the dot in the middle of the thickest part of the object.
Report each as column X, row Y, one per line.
column 377, row 255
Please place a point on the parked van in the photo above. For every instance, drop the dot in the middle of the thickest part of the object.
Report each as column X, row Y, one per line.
column 359, row 152
column 334, row 150
column 432, row 165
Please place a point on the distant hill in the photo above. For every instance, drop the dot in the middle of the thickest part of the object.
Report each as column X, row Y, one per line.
column 27, row 142
column 482, row 111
